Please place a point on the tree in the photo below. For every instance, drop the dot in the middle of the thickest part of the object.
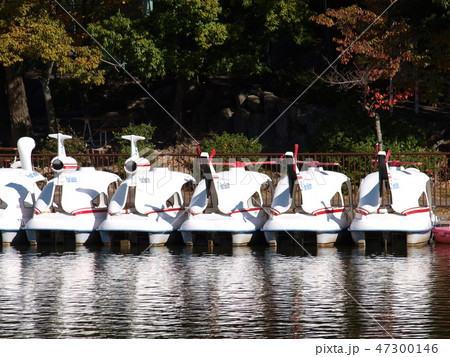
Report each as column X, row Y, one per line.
column 184, row 40
column 255, row 29
column 31, row 35
column 430, row 34
column 371, row 60
column 129, row 41
column 174, row 41
column 187, row 31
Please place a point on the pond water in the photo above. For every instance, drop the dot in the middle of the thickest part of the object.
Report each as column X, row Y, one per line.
column 225, row 292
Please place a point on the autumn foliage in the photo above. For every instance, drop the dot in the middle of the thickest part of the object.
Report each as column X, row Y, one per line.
column 372, row 49
column 384, row 100
column 384, row 46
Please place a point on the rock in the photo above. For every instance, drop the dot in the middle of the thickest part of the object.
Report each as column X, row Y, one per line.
column 254, row 103
column 240, row 119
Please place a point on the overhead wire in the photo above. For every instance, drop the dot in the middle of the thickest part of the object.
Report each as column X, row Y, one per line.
column 325, row 70
column 118, row 64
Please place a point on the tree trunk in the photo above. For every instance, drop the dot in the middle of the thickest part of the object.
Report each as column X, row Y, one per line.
column 45, row 83
column 376, row 116
column 17, row 102
column 5, row 125
column 378, row 131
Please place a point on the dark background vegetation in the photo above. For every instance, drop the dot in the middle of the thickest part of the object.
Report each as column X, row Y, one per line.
column 222, row 66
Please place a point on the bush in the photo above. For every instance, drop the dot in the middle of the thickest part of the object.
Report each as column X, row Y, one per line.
column 76, row 145
column 349, row 129
column 238, row 143
column 145, row 147
column 145, row 129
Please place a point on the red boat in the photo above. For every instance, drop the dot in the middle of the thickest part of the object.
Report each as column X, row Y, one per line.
column 442, row 233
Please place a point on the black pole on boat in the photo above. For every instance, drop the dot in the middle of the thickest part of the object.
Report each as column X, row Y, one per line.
column 207, row 175
column 291, row 167
column 291, row 173
column 382, row 170
column 206, row 169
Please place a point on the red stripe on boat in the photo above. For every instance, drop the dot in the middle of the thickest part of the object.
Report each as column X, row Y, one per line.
column 274, row 211
column 164, row 210
column 126, row 211
column 245, row 210
column 327, row 210
column 88, row 210
column 414, row 210
column 362, row 211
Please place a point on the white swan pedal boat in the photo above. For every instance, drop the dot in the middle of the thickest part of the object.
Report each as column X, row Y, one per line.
column 409, row 210
column 74, row 201
column 309, row 200
column 148, row 202
column 226, row 202
column 18, row 193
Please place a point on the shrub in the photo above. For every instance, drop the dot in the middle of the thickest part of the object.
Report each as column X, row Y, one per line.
column 145, row 147
column 349, row 129
column 227, row 143
column 76, row 145
column 145, row 129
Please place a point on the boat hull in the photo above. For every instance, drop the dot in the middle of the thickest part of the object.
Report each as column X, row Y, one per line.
column 326, row 227
column 11, row 226
column 241, row 227
column 158, row 228
column 8, row 237
column 82, row 225
column 417, row 227
column 442, row 234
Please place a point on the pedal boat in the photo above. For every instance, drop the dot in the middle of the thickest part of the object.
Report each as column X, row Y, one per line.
column 18, row 192
column 74, row 201
column 309, row 201
column 441, row 232
column 149, row 202
column 226, row 203
column 408, row 211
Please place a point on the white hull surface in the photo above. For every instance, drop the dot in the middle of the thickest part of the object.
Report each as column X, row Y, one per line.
column 241, row 225
column 417, row 227
column 149, row 201
column 407, row 209
column 158, row 227
column 326, row 226
column 74, row 200
column 82, row 225
column 9, row 236
column 12, row 223
column 18, row 193
column 309, row 200
column 226, row 202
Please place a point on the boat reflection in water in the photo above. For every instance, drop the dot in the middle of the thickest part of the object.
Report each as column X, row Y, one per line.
column 223, row 292
column 394, row 290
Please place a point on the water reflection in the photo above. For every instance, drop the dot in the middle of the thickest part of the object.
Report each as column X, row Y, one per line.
column 440, row 304
column 393, row 291
column 224, row 292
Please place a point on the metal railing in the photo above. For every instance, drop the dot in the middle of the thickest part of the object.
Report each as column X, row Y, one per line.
column 355, row 165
